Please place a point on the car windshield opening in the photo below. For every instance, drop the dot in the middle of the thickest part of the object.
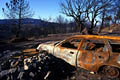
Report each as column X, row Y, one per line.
column 115, row 47
column 68, row 45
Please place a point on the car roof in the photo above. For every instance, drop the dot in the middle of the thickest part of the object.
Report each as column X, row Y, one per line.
column 96, row 37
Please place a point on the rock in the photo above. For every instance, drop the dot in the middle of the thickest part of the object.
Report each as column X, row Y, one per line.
column 31, row 74
column 3, row 73
column 18, row 69
column 7, row 51
column 12, row 70
column 20, row 75
column 16, row 52
column 48, row 73
column 29, row 60
column 39, row 59
column 34, row 65
column 26, row 67
column 39, row 68
column 8, row 78
column 14, row 63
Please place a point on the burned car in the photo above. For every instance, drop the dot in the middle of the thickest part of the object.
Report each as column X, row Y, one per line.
column 92, row 52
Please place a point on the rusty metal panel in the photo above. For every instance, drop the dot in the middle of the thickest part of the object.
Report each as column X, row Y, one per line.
column 97, row 37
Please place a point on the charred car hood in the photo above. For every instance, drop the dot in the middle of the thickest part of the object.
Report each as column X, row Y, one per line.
column 50, row 43
column 46, row 44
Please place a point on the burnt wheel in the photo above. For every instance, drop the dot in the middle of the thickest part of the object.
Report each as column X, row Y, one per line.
column 111, row 71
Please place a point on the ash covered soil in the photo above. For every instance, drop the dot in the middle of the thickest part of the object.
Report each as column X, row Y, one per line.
column 16, row 65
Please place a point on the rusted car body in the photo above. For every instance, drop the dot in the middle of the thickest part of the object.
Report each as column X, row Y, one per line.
column 91, row 52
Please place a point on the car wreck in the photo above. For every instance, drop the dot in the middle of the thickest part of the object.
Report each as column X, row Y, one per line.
column 91, row 52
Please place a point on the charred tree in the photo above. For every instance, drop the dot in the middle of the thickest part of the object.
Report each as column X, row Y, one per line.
column 17, row 10
column 76, row 10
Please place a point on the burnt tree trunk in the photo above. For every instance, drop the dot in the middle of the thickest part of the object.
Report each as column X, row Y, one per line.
column 19, row 24
column 79, row 26
column 103, row 19
column 90, row 31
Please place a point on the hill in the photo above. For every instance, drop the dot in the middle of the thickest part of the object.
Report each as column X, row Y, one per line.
column 24, row 21
column 114, row 28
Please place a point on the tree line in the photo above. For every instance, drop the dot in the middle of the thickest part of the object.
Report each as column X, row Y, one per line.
column 37, row 27
column 83, row 12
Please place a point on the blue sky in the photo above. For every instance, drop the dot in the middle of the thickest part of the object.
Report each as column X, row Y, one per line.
column 42, row 8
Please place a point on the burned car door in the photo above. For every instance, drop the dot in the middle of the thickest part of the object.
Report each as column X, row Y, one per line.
column 67, row 50
column 103, row 53
column 93, row 53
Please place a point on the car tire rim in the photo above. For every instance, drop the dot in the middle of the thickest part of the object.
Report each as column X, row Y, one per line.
column 111, row 71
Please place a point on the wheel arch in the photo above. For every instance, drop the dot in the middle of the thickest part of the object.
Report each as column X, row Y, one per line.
column 101, row 67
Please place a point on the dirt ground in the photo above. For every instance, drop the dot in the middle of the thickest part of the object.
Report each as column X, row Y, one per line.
column 52, row 68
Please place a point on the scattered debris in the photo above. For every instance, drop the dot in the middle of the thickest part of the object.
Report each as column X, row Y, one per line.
column 48, row 73
column 39, row 66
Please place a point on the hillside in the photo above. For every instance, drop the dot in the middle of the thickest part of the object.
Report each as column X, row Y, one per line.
column 115, row 28
column 24, row 21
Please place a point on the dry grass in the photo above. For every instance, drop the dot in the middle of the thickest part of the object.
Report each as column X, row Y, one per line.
column 115, row 28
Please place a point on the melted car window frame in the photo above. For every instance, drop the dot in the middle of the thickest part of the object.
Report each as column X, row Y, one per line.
column 69, row 43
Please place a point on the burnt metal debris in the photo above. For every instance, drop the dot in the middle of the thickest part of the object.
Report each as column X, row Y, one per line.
column 92, row 52
column 32, row 66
